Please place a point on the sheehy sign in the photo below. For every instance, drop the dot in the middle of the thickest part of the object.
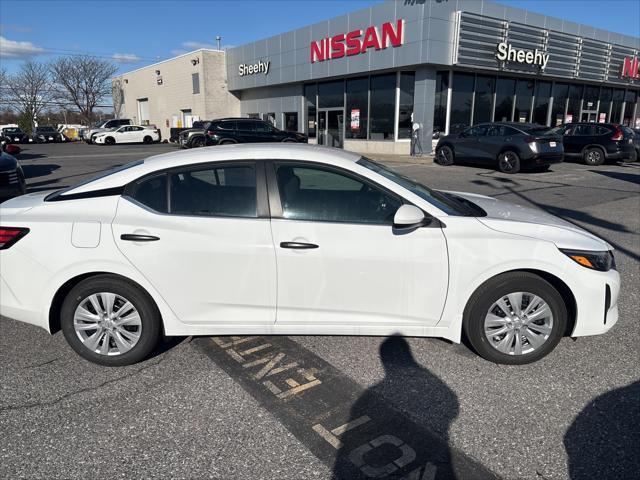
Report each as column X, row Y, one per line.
column 505, row 52
column 358, row 41
column 630, row 68
column 252, row 69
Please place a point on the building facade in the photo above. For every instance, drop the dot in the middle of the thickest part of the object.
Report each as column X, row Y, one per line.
column 363, row 80
column 366, row 80
column 176, row 92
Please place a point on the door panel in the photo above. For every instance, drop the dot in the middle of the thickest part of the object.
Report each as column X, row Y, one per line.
column 355, row 268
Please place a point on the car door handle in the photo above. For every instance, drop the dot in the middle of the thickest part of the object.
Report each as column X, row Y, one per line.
column 132, row 237
column 298, row 245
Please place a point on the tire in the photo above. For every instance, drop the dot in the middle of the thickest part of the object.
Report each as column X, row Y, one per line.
column 197, row 142
column 226, row 142
column 482, row 308
column 509, row 162
column 593, row 156
column 147, row 328
column 289, row 140
column 147, row 140
column 109, row 141
column 445, row 156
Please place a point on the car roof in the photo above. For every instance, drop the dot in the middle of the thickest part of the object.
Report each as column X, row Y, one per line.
column 221, row 153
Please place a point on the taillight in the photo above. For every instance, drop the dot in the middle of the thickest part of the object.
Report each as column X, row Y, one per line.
column 618, row 134
column 10, row 235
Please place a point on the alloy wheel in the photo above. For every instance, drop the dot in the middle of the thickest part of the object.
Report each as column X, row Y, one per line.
column 507, row 162
column 107, row 324
column 518, row 323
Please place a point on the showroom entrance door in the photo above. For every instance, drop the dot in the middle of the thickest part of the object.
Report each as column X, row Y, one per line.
column 331, row 127
column 589, row 116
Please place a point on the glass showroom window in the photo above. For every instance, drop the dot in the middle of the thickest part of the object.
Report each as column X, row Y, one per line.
column 541, row 106
column 560, row 95
column 440, row 110
column 483, row 104
column 331, row 94
column 461, row 98
column 605, row 105
column 505, row 89
column 616, row 106
column 590, row 100
column 573, row 106
column 310, row 105
column 405, row 109
column 630, row 98
column 524, row 96
column 382, row 104
column 357, row 108
column 291, row 121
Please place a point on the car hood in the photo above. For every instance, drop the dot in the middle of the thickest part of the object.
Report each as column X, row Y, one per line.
column 7, row 162
column 516, row 219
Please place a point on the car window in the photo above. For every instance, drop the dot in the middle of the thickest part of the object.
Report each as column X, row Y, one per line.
column 245, row 125
column 226, row 125
column 477, row 131
column 152, row 192
column 262, row 127
column 136, row 129
column 584, row 130
column 501, row 131
column 122, row 129
column 323, row 195
column 214, row 191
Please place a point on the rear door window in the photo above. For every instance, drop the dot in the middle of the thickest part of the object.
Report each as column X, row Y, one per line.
column 152, row 192
column 227, row 125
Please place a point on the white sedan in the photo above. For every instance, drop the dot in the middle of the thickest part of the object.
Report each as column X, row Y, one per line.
column 128, row 134
column 294, row 240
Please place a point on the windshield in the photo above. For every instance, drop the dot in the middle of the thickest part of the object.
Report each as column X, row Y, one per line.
column 11, row 130
column 45, row 129
column 448, row 204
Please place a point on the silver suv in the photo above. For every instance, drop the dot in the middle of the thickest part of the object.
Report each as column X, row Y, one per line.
column 88, row 134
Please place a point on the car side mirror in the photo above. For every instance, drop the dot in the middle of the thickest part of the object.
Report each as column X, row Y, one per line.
column 408, row 217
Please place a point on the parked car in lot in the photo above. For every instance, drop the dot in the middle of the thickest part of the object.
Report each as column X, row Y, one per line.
column 12, row 180
column 15, row 135
column 248, row 130
column 294, row 240
column 193, row 137
column 128, row 134
column 88, row 134
column 47, row 134
column 595, row 143
column 508, row 146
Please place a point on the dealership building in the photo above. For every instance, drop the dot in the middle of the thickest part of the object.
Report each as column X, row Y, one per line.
column 367, row 80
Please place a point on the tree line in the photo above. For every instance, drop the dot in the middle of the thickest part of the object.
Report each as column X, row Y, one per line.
column 76, row 83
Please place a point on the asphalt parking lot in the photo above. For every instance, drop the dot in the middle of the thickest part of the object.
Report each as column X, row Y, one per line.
column 200, row 409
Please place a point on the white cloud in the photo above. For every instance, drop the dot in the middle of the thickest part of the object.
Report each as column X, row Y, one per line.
column 126, row 58
column 13, row 49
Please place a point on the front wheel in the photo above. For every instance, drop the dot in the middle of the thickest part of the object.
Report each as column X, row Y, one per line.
column 509, row 162
column 147, row 139
column 109, row 141
column 445, row 156
column 515, row 318
column 110, row 321
column 197, row 142
column 593, row 157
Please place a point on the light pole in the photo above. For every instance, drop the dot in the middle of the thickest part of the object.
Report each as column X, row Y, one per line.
column 218, row 38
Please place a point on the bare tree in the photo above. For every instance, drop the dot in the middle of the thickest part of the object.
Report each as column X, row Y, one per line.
column 83, row 81
column 29, row 90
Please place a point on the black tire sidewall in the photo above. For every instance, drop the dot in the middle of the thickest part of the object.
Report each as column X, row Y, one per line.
column 516, row 167
column 442, row 162
column 147, row 140
column 504, row 284
column 149, row 315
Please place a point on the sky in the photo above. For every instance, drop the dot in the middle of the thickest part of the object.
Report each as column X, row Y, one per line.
column 135, row 33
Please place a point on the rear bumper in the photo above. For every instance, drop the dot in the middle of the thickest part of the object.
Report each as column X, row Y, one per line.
column 621, row 154
column 544, row 159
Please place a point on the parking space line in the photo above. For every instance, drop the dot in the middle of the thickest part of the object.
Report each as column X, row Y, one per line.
column 353, row 430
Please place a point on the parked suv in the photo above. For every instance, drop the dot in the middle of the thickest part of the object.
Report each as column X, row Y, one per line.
column 15, row 134
column 46, row 134
column 247, row 130
column 509, row 146
column 595, row 143
column 90, row 133
column 193, row 137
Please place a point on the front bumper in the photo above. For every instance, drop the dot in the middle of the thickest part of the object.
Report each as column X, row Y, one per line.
column 596, row 302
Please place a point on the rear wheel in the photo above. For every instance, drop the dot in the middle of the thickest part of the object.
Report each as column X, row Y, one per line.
column 289, row 140
column 515, row 318
column 593, row 156
column 445, row 156
column 509, row 162
column 110, row 321
column 197, row 142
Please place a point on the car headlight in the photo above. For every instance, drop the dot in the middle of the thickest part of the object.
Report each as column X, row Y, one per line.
column 601, row 261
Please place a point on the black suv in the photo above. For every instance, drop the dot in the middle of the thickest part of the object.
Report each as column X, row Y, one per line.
column 596, row 142
column 15, row 135
column 507, row 145
column 247, row 130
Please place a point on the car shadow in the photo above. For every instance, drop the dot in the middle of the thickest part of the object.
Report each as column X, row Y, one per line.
column 39, row 170
column 383, row 453
column 603, row 440
column 29, row 156
column 625, row 177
